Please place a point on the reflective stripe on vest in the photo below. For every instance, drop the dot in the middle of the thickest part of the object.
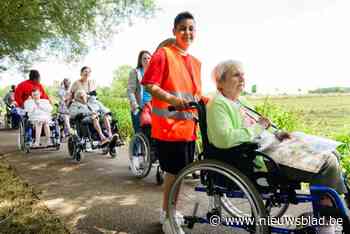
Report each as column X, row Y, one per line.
column 187, row 96
column 180, row 115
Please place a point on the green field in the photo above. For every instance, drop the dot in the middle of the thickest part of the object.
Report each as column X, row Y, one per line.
column 321, row 115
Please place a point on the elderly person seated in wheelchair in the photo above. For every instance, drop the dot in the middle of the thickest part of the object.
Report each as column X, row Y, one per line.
column 80, row 106
column 39, row 113
column 231, row 123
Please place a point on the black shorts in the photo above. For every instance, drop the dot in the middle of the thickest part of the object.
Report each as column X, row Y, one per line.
column 174, row 156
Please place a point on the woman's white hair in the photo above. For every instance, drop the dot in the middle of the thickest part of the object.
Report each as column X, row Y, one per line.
column 219, row 71
column 78, row 94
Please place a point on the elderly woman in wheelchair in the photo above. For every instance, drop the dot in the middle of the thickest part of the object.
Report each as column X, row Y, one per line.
column 253, row 183
column 85, row 113
column 37, row 116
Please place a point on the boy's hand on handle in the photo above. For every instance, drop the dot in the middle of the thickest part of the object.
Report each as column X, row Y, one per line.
column 178, row 103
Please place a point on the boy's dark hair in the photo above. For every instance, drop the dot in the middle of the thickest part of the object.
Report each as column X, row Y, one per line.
column 181, row 16
column 83, row 69
column 139, row 58
column 34, row 75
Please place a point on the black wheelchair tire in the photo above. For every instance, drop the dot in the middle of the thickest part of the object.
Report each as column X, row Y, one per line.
column 71, row 146
column 159, row 176
column 148, row 162
column 113, row 152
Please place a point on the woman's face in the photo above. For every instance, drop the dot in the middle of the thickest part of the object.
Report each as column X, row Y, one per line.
column 145, row 58
column 185, row 33
column 233, row 83
column 86, row 72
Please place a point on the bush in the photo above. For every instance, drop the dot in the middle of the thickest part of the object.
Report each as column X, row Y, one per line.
column 121, row 111
column 344, row 150
column 286, row 120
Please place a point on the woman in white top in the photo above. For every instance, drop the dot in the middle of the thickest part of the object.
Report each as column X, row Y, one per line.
column 39, row 113
column 84, row 83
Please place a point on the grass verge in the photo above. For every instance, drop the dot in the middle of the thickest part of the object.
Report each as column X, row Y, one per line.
column 20, row 209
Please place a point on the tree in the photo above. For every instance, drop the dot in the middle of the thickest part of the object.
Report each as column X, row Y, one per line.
column 254, row 88
column 120, row 80
column 62, row 27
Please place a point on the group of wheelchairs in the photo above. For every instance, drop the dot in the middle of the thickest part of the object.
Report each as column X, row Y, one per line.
column 84, row 137
column 227, row 196
column 80, row 136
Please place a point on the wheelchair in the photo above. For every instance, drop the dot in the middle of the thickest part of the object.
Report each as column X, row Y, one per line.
column 26, row 136
column 142, row 155
column 84, row 134
column 234, row 192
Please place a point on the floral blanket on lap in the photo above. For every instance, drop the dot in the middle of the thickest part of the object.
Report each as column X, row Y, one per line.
column 303, row 152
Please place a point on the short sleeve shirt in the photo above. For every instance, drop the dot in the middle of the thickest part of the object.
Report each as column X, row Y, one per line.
column 87, row 86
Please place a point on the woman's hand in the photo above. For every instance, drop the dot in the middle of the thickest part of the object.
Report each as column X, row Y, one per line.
column 281, row 136
column 265, row 122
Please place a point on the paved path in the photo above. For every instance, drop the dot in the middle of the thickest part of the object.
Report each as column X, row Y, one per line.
column 96, row 196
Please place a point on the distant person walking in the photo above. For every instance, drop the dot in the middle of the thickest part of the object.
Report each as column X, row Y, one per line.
column 65, row 98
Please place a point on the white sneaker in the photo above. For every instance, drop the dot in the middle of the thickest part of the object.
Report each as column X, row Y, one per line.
column 179, row 217
column 167, row 228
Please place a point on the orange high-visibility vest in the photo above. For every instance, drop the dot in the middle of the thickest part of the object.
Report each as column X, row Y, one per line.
column 185, row 84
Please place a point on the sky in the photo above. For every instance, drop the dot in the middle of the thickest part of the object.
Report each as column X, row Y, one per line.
column 284, row 45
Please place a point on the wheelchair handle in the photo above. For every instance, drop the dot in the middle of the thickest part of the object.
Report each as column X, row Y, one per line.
column 188, row 106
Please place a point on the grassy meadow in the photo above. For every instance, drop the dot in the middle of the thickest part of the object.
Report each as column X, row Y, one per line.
column 321, row 115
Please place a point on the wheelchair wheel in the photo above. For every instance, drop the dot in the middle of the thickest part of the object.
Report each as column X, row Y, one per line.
column 113, row 147
column 113, row 152
column 70, row 146
column 199, row 201
column 20, row 138
column 140, row 155
column 74, row 149
column 159, row 176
